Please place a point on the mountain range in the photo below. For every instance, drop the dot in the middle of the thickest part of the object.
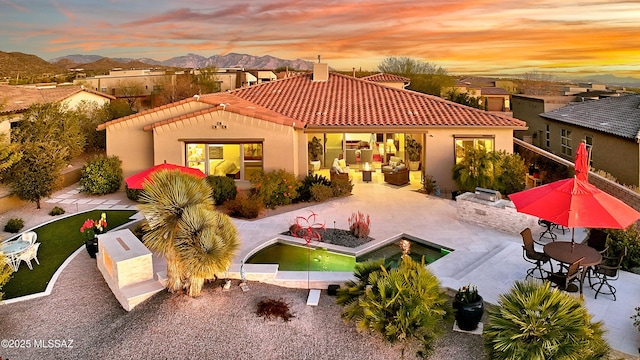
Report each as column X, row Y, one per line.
column 191, row 61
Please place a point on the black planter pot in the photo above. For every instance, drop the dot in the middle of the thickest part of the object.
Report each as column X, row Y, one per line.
column 92, row 246
column 468, row 315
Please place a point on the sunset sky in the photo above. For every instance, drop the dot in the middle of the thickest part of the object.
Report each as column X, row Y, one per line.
column 464, row 36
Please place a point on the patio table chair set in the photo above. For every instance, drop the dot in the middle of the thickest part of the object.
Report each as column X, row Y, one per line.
column 591, row 263
column 24, row 248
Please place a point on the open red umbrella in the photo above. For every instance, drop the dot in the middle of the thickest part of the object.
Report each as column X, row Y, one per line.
column 137, row 181
column 575, row 203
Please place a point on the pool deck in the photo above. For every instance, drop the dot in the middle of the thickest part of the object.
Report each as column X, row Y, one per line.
column 490, row 259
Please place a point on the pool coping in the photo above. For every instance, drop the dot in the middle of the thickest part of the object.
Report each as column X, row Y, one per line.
column 269, row 273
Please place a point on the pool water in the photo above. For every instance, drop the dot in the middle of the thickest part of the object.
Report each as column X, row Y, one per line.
column 295, row 257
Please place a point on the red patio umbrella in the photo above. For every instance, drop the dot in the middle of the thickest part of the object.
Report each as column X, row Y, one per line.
column 582, row 162
column 137, row 181
column 575, row 203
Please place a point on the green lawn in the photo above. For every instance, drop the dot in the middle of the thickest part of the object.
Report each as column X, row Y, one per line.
column 59, row 240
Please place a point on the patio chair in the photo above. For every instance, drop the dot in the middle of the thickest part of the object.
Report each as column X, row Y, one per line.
column 548, row 230
column 532, row 256
column 30, row 254
column 607, row 271
column 30, row 237
column 596, row 239
column 563, row 280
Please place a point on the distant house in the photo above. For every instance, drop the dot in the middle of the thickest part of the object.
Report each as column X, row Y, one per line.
column 268, row 126
column 15, row 100
column 494, row 94
column 610, row 127
column 390, row 80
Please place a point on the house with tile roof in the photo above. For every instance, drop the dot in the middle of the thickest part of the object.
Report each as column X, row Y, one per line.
column 391, row 80
column 611, row 129
column 15, row 100
column 268, row 126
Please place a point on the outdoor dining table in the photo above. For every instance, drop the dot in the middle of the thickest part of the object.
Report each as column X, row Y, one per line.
column 568, row 252
column 12, row 250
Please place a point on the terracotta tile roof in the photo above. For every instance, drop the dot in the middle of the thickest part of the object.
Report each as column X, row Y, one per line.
column 383, row 77
column 15, row 99
column 142, row 113
column 351, row 102
column 231, row 103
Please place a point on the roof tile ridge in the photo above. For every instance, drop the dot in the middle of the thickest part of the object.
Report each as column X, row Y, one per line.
column 146, row 112
column 294, row 76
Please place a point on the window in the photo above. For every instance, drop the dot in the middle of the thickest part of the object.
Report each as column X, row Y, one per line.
column 237, row 161
column 565, row 138
column 547, row 136
column 464, row 143
column 589, row 144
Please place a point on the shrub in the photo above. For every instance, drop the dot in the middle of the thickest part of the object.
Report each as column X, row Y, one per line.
column 533, row 322
column 359, row 225
column 629, row 238
column 320, row 192
column 341, row 187
column 401, row 304
column 275, row 188
column 133, row 194
column 223, row 188
column 101, row 175
column 243, row 206
column 14, row 225
column 304, row 191
column 636, row 318
column 5, row 273
column 270, row 308
column 497, row 170
column 56, row 211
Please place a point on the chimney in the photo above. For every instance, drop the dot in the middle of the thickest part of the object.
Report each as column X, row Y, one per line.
column 354, row 72
column 320, row 72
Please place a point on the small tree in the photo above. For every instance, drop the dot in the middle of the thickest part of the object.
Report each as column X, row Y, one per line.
column 464, row 99
column 475, row 170
column 37, row 174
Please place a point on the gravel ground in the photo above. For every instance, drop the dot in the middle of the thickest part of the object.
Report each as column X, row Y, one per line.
column 217, row 325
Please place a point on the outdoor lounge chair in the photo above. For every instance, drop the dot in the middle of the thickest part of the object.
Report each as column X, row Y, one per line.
column 607, row 271
column 532, row 256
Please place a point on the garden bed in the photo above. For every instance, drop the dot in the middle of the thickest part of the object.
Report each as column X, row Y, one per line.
column 339, row 237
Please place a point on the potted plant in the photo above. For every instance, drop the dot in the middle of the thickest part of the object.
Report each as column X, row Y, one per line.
column 414, row 150
column 469, row 307
column 92, row 228
column 315, row 151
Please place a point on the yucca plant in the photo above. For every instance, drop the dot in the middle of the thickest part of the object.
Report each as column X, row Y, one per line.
column 533, row 322
column 402, row 304
column 165, row 199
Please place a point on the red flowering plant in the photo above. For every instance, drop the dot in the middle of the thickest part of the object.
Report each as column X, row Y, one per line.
column 93, row 227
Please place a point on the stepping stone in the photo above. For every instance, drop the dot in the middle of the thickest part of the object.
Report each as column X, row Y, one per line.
column 314, row 297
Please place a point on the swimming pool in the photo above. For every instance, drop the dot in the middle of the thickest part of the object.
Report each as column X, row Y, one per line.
column 292, row 257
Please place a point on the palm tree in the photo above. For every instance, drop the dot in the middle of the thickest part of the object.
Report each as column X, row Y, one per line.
column 477, row 169
column 207, row 241
column 532, row 322
column 402, row 304
column 164, row 201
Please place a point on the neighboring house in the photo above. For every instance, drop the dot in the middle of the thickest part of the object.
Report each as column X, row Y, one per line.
column 15, row 100
column 494, row 94
column 263, row 75
column 268, row 126
column 390, row 80
column 610, row 127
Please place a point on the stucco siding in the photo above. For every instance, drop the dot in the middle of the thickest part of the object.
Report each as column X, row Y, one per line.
column 280, row 144
column 440, row 150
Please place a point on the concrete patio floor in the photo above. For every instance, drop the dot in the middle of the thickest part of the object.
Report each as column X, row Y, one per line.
column 490, row 259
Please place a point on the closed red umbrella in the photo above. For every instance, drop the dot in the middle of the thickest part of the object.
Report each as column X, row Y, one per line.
column 137, row 181
column 582, row 162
